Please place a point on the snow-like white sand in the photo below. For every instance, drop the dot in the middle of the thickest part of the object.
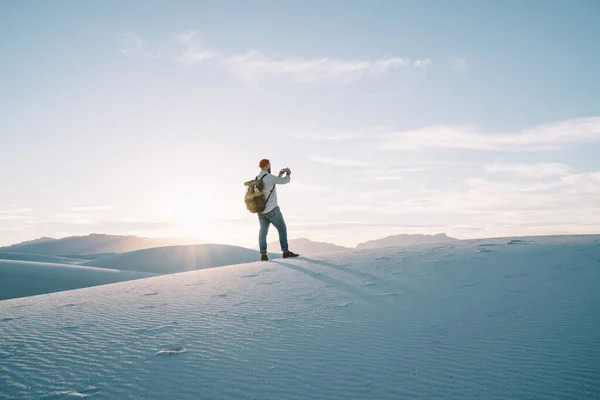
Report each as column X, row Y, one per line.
column 475, row 320
column 171, row 259
column 40, row 258
column 93, row 256
column 27, row 278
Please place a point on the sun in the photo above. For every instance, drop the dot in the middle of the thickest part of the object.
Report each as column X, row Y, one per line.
column 193, row 215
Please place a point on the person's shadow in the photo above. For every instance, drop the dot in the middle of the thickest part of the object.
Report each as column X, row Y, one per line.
column 326, row 279
column 342, row 268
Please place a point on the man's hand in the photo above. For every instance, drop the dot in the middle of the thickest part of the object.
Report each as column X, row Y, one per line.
column 285, row 171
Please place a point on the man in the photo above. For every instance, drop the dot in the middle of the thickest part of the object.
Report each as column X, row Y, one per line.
column 272, row 213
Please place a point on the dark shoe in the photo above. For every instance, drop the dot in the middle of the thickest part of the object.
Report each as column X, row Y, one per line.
column 288, row 254
column 264, row 257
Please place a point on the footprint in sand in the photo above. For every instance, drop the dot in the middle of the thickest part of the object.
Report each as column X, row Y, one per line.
column 70, row 328
column 85, row 392
column 466, row 285
column 88, row 391
column 519, row 241
column 170, row 352
column 197, row 283
column 20, row 306
column 575, row 269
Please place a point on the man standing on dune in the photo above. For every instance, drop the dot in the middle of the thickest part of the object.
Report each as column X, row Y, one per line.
column 272, row 214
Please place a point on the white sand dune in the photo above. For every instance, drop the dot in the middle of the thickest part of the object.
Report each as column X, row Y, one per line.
column 40, row 258
column 92, row 244
column 471, row 320
column 88, row 257
column 171, row 259
column 27, row 278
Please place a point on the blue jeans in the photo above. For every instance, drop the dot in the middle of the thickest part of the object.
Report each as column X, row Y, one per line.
column 276, row 218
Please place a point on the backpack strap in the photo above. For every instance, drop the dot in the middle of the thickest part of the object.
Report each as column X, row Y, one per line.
column 271, row 192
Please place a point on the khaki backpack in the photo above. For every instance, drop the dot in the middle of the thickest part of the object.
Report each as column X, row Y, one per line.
column 255, row 198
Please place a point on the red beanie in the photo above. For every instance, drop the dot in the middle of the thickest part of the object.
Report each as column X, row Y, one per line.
column 263, row 162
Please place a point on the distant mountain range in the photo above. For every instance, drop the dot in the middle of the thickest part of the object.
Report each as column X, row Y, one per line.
column 92, row 244
column 405, row 240
column 96, row 245
column 308, row 247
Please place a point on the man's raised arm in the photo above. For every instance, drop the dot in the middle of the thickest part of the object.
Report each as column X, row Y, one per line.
column 276, row 180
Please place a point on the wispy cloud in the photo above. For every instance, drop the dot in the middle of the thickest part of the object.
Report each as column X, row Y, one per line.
column 92, row 208
column 131, row 44
column 379, row 194
column 14, row 217
column 399, row 171
column 303, row 187
column 582, row 183
column 574, row 196
column 389, row 175
column 388, row 178
column 540, row 170
column 253, row 66
column 422, row 63
column 76, row 221
column 14, row 210
column 193, row 50
column 16, row 214
column 543, row 137
column 352, row 208
column 349, row 224
column 338, row 162
column 328, row 137
column 145, row 222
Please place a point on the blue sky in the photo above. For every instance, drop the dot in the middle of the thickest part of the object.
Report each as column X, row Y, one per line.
column 472, row 118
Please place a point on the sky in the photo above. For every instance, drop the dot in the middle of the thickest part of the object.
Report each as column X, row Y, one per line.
column 477, row 119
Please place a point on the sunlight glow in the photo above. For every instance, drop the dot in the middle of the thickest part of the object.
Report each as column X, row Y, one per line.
column 194, row 213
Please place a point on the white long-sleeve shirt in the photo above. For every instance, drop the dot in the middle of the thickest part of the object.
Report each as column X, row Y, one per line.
column 270, row 181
